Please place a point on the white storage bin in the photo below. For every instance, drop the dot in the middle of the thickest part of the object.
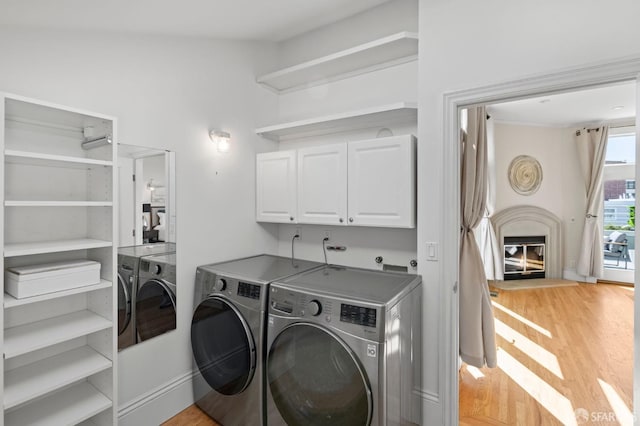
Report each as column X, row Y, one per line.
column 34, row 280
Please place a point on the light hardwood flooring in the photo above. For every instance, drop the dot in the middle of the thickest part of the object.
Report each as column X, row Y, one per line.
column 559, row 350
column 191, row 416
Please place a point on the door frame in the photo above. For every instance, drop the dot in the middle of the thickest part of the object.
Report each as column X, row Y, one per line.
column 537, row 85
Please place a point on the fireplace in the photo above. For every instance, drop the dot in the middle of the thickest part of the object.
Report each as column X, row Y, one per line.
column 531, row 221
column 524, row 257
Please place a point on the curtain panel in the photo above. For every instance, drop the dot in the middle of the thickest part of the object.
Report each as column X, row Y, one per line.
column 476, row 327
column 592, row 148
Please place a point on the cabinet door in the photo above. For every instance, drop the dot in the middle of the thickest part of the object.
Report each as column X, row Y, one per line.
column 276, row 187
column 382, row 182
column 322, row 187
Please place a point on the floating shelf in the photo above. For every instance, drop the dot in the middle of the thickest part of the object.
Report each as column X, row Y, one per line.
column 10, row 301
column 26, row 249
column 382, row 53
column 40, row 334
column 39, row 378
column 58, row 203
column 50, row 160
column 67, row 407
column 379, row 116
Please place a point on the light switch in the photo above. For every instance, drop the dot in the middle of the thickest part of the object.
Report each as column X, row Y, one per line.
column 432, row 251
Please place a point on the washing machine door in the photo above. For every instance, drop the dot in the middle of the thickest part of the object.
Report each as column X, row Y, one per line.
column 124, row 304
column 223, row 346
column 155, row 309
column 315, row 379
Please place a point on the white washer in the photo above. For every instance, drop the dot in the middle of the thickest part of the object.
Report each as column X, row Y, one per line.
column 341, row 348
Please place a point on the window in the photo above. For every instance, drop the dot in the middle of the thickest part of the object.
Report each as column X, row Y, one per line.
column 620, row 189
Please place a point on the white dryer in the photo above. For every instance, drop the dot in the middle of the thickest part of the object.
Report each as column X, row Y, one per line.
column 341, row 348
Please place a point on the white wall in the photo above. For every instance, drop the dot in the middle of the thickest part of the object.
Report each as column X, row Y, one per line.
column 386, row 86
column 468, row 44
column 167, row 93
column 562, row 190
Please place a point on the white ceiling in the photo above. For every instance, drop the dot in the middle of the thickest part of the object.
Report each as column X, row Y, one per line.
column 272, row 20
column 570, row 109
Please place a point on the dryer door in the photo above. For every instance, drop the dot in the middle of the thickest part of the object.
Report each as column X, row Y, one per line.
column 223, row 346
column 124, row 304
column 155, row 309
column 315, row 379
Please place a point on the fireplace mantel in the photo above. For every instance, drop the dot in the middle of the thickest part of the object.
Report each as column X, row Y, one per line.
column 531, row 221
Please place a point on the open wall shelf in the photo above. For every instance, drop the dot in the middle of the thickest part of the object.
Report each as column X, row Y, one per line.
column 381, row 53
column 50, row 160
column 378, row 116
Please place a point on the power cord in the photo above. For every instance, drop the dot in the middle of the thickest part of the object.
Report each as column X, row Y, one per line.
column 324, row 249
column 292, row 241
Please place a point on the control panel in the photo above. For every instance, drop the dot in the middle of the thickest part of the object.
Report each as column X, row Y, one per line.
column 358, row 315
column 251, row 291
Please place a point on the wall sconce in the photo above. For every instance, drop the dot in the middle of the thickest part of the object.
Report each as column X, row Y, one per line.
column 221, row 139
column 152, row 186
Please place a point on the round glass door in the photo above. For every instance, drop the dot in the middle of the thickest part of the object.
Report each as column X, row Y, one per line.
column 223, row 346
column 155, row 309
column 315, row 379
column 124, row 305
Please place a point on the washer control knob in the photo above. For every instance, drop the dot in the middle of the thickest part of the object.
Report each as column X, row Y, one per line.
column 220, row 285
column 157, row 269
column 314, row 307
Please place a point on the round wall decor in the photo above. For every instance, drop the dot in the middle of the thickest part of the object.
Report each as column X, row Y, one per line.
column 525, row 175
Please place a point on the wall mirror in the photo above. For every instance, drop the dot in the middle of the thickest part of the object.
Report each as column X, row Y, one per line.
column 146, row 245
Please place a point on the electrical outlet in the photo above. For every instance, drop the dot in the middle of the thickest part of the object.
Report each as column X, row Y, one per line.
column 298, row 232
column 327, row 234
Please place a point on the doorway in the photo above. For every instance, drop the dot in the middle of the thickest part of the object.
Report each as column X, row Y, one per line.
column 534, row 87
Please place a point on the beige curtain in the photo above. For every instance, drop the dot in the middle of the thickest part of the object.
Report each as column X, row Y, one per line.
column 592, row 147
column 485, row 233
column 477, row 331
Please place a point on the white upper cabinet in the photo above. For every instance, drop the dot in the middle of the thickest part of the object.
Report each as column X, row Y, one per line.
column 382, row 182
column 276, row 187
column 322, row 192
column 360, row 183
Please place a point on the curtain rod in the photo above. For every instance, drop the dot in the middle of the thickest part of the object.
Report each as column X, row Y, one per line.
column 596, row 129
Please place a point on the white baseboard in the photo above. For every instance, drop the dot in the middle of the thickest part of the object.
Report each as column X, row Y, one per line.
column 572, row 274
column 431, row 408
column 159, row 404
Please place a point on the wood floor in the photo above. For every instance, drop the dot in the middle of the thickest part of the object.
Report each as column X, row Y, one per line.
column 561, row 352
column 191, row 416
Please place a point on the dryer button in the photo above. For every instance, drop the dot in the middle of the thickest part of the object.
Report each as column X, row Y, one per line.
column 328, row 318
column 371, row 351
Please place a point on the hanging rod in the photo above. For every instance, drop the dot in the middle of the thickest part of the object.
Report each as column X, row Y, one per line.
column 596, row 129
column 95, row 143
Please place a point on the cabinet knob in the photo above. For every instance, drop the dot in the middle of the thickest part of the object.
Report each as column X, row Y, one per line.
column 291, row 218
column 341, row 220
column 350, row 219
column 379, row 259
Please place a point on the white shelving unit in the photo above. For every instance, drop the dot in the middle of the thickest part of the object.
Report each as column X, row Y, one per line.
column 377, row 54
column 60, row 355
column 378, row 116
